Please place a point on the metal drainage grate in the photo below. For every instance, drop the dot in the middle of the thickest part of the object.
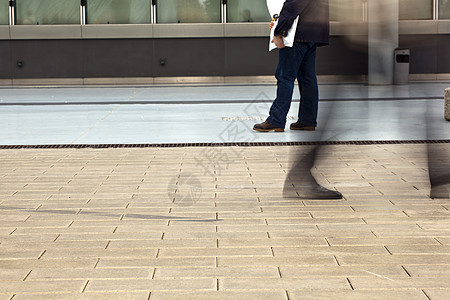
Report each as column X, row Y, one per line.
column 238, row 144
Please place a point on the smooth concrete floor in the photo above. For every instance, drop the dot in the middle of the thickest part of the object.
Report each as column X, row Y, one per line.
column 214, row 113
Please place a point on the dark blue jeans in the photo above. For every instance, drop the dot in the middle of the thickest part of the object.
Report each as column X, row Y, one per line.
column 294, row 62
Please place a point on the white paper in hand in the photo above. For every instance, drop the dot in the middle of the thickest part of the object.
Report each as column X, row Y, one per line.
column 275, row 7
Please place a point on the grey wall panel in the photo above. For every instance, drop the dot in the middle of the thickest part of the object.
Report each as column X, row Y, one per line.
column 249, row 57
column 443, row 52
column 189, row 57
column 91, row 58
column 118, row 58
column 5, row 60
column 423, row 52
column 343, row 56
column 47, row 59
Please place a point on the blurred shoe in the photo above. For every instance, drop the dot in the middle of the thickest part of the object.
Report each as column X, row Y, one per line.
column 441, row 191
column 300, row 126
column 320, row 192
column 266, row 127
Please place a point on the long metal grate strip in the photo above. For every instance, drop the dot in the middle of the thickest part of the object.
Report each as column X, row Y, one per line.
column 238, row 144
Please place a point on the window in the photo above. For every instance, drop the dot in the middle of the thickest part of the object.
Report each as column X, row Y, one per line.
column 346, row 10
column 188, row 11
column 4, row 13
column 247, row 11
column 118, row 11
column 444, row 9
column 416, row 9
column 43, row 12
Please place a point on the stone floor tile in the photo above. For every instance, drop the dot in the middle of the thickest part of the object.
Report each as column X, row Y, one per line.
column 89, row 296
column 48, row 264
column 400, row 259
column 437, row 293
column 419, row 249
column 219, row 295
column 334, row 250
column 156, row 262
column 179, row 243
column 342, row 271
column 215, row 252
column 204, row 284
column 300, row 260
column 215, row 235
column 357, row 295
column 99, row 253
column 17, row 287
column 89, row 274
column 428, row 270
column 110, row 236
column 363, row 283
column 318, row 221
column 13, row 274
column 382, row 241
column 217, row 272
column 259, row 284
column 272, row 242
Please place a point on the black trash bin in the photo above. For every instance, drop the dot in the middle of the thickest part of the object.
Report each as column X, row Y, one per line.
column 401, row 66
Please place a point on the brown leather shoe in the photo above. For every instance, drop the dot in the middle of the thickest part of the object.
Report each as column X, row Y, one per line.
column 300, row 126
column 266, row 127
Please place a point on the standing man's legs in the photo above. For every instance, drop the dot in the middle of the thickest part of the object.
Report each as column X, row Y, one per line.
column 289, row 64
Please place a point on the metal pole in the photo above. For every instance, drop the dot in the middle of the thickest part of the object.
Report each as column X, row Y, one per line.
column 12, row 20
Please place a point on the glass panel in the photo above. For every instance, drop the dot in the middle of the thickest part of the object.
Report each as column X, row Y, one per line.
column 4, row 13
column 188, row 11
column 444, row 9
column 118, row 11
column 247, row 11
column 416, row 9
column 29, row 12
column 346, row 10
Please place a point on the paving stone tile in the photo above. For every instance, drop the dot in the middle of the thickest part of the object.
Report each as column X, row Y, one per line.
column 89, row 274
column 283, row 284
column 152, row 284
column 400, row 259
column 428, row 270
column 322, row 233
column 362, row 283
column 215, row 235
column 418, row 249
column 444, row 240
column 99, row 253
column 438, row 293
column 152, row 244
column 16, row 287
column 356, row 295
column 342, row 271
column 382, row 241
column 256, row 228
column 303, row 221
column 217, row 272
column 54, row 245
column 272, row 242
column 215, row 252
column 334, row 250
column 91, row 296
column 156, row 262
column 62, row 230
column 13, row 274
column 48, row 263
column 299, row 260
column 219, row 295
column 110, row 236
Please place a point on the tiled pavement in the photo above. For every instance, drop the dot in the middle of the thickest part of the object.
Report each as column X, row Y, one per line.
column 211, row 223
